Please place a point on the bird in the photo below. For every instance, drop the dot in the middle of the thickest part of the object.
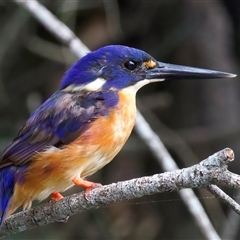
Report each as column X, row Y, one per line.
column 82, row 126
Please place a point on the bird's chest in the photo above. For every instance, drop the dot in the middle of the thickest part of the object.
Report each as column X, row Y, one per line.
column 107, row 134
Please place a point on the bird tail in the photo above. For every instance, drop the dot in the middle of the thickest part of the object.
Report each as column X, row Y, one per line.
column 7, row 183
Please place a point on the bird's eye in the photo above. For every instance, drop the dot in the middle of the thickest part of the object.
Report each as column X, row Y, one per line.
column 130, row 65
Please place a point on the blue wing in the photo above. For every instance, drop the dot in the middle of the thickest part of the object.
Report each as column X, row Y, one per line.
column 58, row 121
column 8, row 177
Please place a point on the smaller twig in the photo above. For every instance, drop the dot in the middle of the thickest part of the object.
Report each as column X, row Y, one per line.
column 231, row 226
column 217, row 192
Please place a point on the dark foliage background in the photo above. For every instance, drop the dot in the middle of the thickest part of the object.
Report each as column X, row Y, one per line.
column 193, row 118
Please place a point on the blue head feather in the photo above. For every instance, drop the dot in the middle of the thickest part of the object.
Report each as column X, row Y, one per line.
column 108, row 63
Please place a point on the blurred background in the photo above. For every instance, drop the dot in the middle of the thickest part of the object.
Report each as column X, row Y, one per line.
column 194, row 118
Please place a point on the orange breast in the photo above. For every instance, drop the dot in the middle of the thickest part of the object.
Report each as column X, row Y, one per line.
column 54, row 169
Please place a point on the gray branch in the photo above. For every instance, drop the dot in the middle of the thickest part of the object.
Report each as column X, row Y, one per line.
column 212, row 170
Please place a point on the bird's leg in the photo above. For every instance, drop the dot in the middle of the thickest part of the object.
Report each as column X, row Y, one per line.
column 86, row 184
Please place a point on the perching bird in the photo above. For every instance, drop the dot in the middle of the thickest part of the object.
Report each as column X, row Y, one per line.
column 82, row 126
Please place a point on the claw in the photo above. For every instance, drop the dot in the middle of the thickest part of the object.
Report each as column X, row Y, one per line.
column 63, row 220
column 88, row 185
column 87, row 190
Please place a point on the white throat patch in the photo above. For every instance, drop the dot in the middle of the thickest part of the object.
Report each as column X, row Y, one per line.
column 144, row 82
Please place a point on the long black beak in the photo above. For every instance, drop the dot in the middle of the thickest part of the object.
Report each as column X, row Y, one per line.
column 171, row 71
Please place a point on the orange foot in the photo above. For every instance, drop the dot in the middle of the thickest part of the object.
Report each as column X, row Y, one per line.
column 55, row 197
column 84, row 183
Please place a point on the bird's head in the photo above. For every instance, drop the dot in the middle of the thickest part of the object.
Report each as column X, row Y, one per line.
column 119, row 67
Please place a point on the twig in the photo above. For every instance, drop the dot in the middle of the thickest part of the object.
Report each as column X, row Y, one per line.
column 212, row 170
column 217, row 192
column 231, row 226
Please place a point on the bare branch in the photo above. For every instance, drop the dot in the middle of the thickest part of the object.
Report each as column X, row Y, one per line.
column 212, row 170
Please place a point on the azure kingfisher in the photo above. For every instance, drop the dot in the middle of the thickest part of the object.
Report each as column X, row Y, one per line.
column 82, row 126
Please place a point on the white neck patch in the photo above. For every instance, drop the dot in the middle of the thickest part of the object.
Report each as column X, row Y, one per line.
column 95, row 85
column 92, row 86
